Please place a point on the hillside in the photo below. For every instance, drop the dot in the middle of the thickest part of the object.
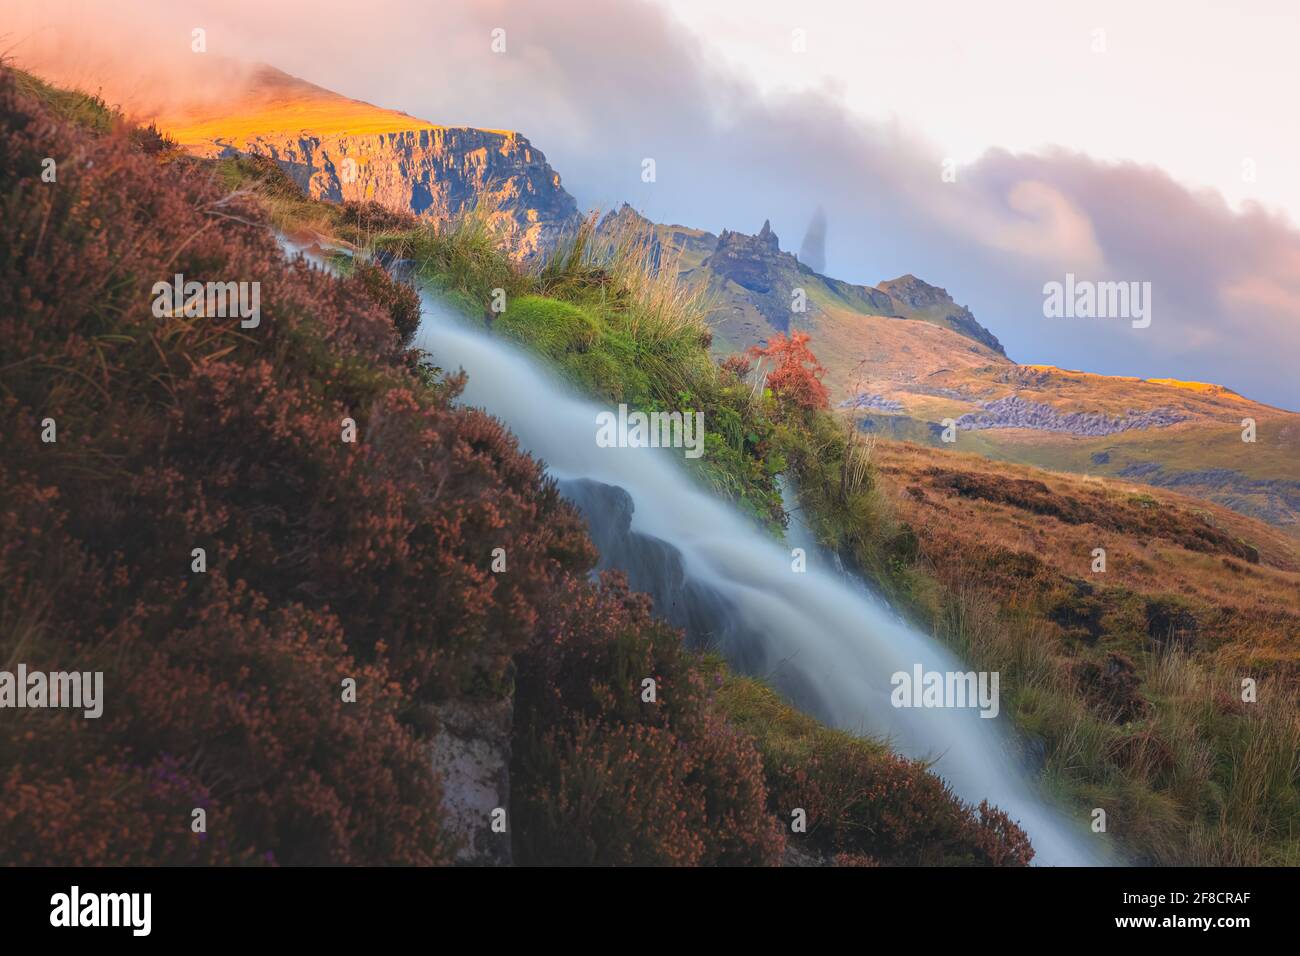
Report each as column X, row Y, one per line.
column 1183, row 436
column 1237, row 578
column 1130, row 678
column 752, row 283
column 903, row 357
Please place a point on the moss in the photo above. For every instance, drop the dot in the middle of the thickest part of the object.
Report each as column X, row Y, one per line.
column 785, row 733
column 551, row 327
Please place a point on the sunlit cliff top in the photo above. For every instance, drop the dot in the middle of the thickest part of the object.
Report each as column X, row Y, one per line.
column 277, row 103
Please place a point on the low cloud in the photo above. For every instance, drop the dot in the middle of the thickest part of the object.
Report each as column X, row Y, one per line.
column 599, row 89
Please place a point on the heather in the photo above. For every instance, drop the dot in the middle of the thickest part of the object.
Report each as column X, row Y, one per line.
column 859, row 800
column 202, row 531
column 602, row 775
column 324, row 560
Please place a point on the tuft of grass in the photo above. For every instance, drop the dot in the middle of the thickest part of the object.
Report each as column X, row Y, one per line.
column 609, row 312
column 86, row 110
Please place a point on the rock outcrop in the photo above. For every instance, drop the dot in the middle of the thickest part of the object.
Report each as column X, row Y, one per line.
column 1016, row 412
column 875, row 403
column 749, row 261
column 921, row 297
column 437, row 172
column 470, row 754
column 339, row 148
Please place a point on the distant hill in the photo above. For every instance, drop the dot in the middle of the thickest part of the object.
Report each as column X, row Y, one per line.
column 756, row 286
column 903, row 357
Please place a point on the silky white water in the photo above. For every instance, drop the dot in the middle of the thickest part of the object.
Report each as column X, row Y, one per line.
column 815, row 632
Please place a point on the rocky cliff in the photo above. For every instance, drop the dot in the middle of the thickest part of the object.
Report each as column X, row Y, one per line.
column 922, row 300
column 437, row 172
column 343, row 149
column 753, row 281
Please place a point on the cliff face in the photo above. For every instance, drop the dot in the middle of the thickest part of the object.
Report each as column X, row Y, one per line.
column 432, row 171
column 752, row 262
column 338, row 148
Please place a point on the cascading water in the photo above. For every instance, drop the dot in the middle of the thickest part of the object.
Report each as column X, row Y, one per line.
column 822, row 640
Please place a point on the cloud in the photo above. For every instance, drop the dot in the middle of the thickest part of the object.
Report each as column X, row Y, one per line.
column 598, row 89
column 125, row 51
column 812, row 251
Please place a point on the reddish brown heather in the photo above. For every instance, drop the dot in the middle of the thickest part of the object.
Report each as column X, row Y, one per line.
column 602, row 776
column 325, row 560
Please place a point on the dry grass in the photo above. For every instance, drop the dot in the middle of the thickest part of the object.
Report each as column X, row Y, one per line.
column 1201, row 777
column 856, row 464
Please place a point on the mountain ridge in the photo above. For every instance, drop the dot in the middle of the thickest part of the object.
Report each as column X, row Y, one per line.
column 770, row 277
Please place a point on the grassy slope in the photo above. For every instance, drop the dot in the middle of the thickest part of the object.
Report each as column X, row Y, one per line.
column 1129, row 681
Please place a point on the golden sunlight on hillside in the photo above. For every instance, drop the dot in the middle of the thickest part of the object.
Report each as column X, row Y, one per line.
column 1205, row 387
column 864, row 353
column 930, row 370
column 276, row 103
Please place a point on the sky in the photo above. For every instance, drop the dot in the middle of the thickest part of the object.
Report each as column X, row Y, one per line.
column 1197, row 88
column 989, row 148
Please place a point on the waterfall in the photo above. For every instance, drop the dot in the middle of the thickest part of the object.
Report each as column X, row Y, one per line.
column 821, row 638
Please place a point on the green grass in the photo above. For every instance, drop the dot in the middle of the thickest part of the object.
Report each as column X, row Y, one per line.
column 617, row 327
column 86, row 110
column 785, row 734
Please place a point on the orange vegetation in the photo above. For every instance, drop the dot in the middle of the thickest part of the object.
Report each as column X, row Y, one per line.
column 1027, row 537
column 275, row 102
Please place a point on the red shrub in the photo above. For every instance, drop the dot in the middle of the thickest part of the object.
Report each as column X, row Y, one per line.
column 797, row 375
